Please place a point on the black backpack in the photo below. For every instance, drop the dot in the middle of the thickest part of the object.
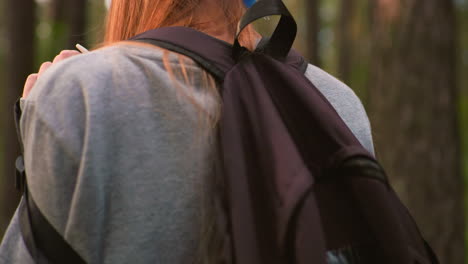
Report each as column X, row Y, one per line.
column 299, row 186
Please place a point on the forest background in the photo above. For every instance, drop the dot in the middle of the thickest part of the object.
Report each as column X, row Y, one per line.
column 406, row 59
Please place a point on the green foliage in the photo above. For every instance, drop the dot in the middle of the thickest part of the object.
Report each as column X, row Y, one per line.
column 50, row 42
column 52, row 35
column 95, row 21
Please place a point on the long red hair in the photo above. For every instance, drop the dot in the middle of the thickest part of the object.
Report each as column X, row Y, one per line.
column 127, row 18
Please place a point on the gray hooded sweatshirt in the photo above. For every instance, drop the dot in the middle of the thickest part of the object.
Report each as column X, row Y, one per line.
column 117, row 154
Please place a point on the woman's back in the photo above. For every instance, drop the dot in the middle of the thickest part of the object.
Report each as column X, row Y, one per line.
column 125, row 156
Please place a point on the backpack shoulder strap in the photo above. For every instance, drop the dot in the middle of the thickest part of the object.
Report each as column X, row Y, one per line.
column 40, row 237
column 212, row 54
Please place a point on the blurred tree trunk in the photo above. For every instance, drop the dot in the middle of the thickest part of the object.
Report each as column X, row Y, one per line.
column 77, row 22
column 19, row 60
column 68, row 24
column 313, row 27
column 345, row 39
column 58, row 10
column 413, row 106
column 58, row 40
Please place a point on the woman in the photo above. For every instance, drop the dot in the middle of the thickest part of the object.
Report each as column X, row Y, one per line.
column 120, row 142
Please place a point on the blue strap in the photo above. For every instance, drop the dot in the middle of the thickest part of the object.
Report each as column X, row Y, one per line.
column 249, row 3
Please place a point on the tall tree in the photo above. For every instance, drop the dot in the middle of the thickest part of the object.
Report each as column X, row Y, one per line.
column 413, row 106
column 20, row 60
column 68, row 20
column 58, row 39
column 57, row 9
column 313, row 27
column 77, row 22
column 345, row 39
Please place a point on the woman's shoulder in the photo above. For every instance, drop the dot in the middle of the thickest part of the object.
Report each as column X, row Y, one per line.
column 111, row 85
column 328, row 84
column 110, row 74
column 104, row 66
column 346, row 103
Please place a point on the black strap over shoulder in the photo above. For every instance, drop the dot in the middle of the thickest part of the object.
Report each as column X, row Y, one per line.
column 46, row 238
column 212, row 54
column 206, row 64
column 42, row 240
column 19, row 163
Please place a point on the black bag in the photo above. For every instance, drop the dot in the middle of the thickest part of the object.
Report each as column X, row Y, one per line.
column 300, row 188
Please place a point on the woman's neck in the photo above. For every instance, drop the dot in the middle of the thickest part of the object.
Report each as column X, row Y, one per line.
column 210, row 18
